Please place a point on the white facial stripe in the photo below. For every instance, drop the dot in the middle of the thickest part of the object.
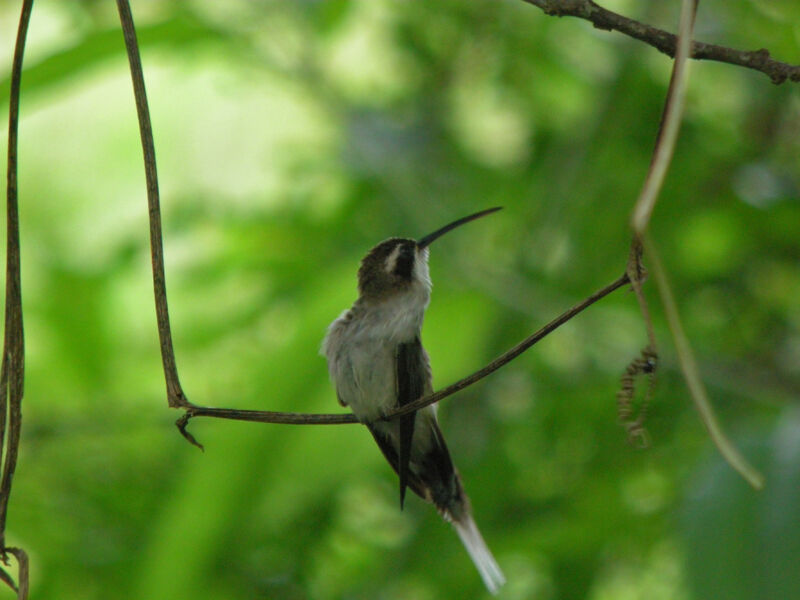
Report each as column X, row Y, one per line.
column 391, row 260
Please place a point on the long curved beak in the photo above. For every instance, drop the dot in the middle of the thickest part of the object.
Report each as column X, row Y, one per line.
column 429, row 239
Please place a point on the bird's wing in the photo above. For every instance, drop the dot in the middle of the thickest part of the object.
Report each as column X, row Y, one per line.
column 387, row 446
column 412, row 372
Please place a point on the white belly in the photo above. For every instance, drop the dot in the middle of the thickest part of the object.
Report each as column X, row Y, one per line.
column 366, row 381
column 360, row 348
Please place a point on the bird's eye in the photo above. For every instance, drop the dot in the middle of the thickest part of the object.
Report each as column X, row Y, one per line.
column 400, row 261
column 404, row 263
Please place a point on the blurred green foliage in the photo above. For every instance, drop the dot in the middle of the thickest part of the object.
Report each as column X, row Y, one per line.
column 291, row 137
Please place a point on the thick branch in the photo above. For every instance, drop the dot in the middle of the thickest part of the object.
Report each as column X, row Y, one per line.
column 338, row 419
column 666, row 42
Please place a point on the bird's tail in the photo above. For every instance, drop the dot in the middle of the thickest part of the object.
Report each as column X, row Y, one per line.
column 479, row 552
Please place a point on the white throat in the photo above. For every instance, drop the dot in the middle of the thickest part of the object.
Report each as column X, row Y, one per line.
column 399, row 317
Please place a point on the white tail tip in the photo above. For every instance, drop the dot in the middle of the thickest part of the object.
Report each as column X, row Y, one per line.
column 480, row 554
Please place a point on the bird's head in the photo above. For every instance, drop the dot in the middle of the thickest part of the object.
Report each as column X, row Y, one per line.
column 397, row 265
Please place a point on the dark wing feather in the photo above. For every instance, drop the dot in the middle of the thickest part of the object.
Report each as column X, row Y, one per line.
column 436, row 479
column 411, row 376
column 390, row 452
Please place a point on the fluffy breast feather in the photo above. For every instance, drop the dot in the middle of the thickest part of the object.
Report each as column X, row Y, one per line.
column 361, row 349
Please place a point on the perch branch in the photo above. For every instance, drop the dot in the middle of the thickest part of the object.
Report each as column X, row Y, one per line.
column 337, row 419
column 513, row 352
column 666, row 42
column 13, row 362
column 582, row 8
column 175, row 395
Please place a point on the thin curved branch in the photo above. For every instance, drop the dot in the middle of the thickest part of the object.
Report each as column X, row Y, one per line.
column 691, row 374
column 12, row 373
column 670, row 123
column 287, row 418
column 175, row 395
column 662, row 157
column 663, row 41
column 513, row 353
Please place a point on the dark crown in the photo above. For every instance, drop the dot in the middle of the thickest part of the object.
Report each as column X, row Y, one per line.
column 388, row 267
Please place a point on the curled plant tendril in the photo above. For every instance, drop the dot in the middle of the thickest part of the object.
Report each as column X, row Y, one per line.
column 633, row 422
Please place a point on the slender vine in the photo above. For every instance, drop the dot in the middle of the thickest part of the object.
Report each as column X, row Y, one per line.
column 12, row 372
column 680, row 46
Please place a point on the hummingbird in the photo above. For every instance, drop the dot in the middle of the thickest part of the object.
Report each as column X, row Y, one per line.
column 377, row 363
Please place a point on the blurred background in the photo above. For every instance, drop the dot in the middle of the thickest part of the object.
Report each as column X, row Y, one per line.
column 293, row 136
